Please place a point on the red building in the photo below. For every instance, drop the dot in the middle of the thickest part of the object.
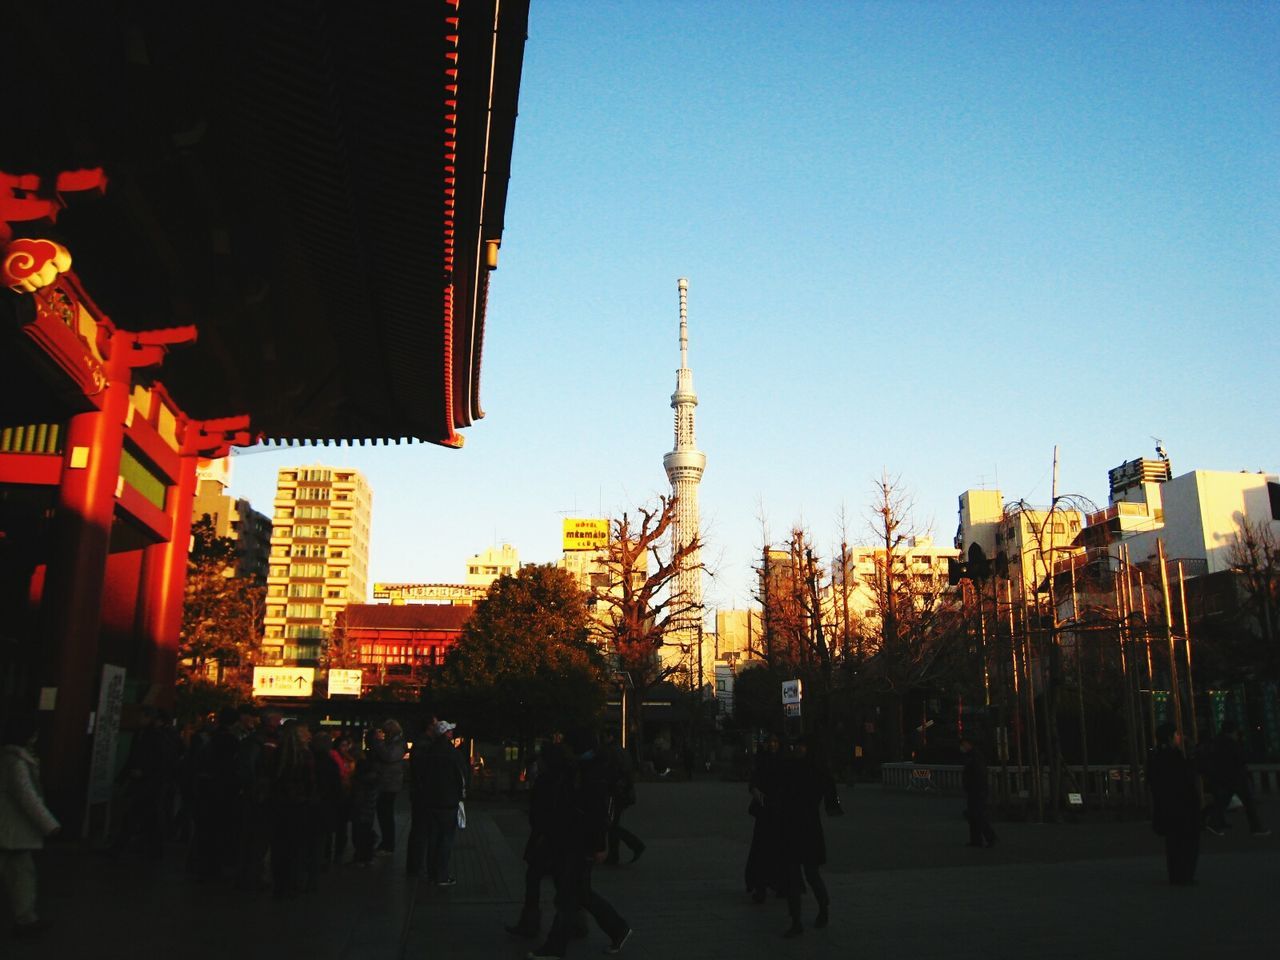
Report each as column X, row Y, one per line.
column 214, row 229
column 400, row 645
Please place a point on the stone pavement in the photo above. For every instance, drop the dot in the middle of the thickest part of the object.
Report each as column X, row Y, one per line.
column 902, row 881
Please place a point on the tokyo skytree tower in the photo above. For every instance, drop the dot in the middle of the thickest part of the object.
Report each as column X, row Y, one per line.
column 684, row 466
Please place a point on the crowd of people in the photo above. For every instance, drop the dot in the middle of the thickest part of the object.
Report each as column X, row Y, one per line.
column 272, row 803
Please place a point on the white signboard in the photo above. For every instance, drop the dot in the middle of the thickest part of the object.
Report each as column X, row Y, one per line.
column 792, row 691
column 344, row 682
column 106, row 730
column 283, row 681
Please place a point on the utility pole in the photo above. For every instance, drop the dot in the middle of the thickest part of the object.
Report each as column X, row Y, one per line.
column 1175, row 685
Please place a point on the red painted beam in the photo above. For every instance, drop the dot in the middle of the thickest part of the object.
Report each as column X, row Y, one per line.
column 37, row 469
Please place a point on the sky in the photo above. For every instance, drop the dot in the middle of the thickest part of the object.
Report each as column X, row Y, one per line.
column 925, row 240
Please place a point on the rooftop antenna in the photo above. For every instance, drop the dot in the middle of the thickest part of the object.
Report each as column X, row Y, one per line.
column 1160, row 450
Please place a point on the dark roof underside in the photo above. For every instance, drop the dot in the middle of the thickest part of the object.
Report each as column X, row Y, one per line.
column 277, row 177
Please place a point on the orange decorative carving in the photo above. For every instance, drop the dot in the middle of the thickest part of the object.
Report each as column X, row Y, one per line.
column 29, row 265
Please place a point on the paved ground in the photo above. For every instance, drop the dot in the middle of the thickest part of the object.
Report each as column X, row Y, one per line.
column 902, row 880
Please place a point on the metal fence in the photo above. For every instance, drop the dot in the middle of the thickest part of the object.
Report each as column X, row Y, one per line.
column 1107, row 786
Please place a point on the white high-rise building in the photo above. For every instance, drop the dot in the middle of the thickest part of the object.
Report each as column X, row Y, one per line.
column 684, row 466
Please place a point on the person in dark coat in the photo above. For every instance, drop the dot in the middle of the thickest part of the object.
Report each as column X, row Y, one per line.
column 151, row 763
column 974, row 780
column 388, row 750
column 622, row 790
column 578, row 833
column 439, row 779
column 255, row 766
column 1175, row 804
column 329, row 800
column 804, row 784
column 764, row 869
column 364, row 810
column 1228, row 775
column 216, row 796
column 544, row 784
column 293, row 798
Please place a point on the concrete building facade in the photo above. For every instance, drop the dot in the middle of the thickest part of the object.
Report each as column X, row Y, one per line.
column 1020, row 541
column 1198, row 515
column 491, row 564
column 319, row 558
column 234, row 517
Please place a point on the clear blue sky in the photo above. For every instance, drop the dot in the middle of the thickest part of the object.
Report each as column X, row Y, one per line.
column 932, row 238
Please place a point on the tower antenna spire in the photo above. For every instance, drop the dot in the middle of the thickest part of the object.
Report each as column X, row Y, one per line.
column 683, row 286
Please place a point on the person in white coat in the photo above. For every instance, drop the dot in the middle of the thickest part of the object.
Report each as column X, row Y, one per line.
column 25, row 821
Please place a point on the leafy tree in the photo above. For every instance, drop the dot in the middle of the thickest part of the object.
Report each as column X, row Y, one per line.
column 221, row 616
column 525, row 665
column 638, row 606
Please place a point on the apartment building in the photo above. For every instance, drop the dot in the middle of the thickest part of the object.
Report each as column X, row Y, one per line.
column 319, row 558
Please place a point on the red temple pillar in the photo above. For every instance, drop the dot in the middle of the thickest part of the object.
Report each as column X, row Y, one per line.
column 73, row 596
column 164, row 577
column 74, row 584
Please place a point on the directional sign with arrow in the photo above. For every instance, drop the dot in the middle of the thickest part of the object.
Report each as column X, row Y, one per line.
column 283, row 681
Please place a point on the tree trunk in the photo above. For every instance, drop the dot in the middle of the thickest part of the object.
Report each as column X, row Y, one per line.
column 897, row 733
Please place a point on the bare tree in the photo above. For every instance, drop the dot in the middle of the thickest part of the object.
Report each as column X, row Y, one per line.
column 915, row 639
column 1254, row 556
column 638, row 606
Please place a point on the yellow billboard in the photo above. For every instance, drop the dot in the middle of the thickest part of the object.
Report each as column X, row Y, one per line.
column 585, row 533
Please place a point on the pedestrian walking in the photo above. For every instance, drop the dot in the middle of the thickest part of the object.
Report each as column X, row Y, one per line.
column 804, row 784
column 578, row 833
column 622, row 792
column 1228, row 776
column 1175, row 804
column 545, row 779
column 388, row 752
column 439, row 783
column 25, row 821
column 764, row 869
column 973, row 778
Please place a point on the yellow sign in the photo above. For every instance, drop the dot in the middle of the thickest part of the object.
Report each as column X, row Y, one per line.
column 581, row 533
column 458, row 593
